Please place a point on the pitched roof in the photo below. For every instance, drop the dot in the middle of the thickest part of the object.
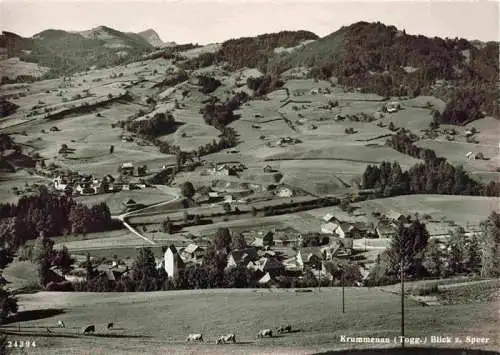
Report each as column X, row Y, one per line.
column 329, row 227
column 127, row 165
column 383, row 228
column 244, row 255
column 269, row 263
column 265, row 279
column 394, row 215
column 129, row 202
column 191, row 248
column 172, row 248
column 328, row 217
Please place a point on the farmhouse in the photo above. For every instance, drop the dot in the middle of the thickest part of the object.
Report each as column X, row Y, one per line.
column 269, row 265
column 329, row 228
column 192, row 253
column 241, row 257
column 83, row 188
column 330, row 217
column 284, row 191
column 393, row 107
column 127, row 169
column 129, row 203
column 60, row 183
column 395, row 216
column 222, row 170
column 268, row 280
column 172, row 261
column 385, row 230
column 337, row 247
column 263, row 240
column 268, row 169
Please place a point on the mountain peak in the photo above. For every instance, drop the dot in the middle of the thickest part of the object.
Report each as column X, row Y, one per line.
column 152, row 37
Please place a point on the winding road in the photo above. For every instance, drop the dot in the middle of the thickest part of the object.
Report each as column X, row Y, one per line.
column 123, row 217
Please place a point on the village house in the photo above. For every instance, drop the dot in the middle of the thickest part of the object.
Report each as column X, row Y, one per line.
column 40, row 164
column 329, row 228
column 127, row 169
column 284, row 191
column 83, row 188
column 172, row 261
column 222, row 170
column 395, row 216
column 241, row 257
column 213, row 195
column 393, row 107
column 263, row 240
column 386, row 230
column 268, row 169
column 129, row 203
column 268, row 281
column 330, row 217
column 192, row 253
column 60, row 183
column 269, row 265
column 337, row 248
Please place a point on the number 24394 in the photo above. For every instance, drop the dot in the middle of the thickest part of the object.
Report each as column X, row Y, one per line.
column 21, row 344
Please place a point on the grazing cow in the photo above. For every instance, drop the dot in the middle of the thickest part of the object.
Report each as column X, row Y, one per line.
column 285, row 329
column 89, row 329
column 265, row 333
column 194, row 337
column 61, row 324
column 224, row 339
column 110, row 325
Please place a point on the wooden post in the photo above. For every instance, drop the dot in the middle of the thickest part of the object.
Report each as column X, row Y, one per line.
column 343, row 292
column 402, row 304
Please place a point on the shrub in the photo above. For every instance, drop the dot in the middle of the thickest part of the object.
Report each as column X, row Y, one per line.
column 64, row 286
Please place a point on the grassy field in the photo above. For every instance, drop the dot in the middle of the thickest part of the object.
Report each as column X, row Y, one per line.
column 146, row 196
column 159, row 321
column 460, row 209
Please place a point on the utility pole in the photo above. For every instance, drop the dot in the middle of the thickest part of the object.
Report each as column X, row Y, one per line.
column 402, row 303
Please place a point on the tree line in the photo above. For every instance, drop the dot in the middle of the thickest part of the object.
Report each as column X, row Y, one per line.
column 419, row 256
column 455, row 180
column 49, row 215
column 430, row 177
column 404, row 143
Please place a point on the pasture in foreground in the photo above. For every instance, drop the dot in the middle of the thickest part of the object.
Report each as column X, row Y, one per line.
column 159, row 321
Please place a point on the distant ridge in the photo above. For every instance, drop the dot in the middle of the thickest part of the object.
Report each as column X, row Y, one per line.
column 152, row 37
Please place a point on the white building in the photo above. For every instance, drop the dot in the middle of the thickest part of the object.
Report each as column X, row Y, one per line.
column 60, row 183
column 172, row 261
column 284, row 191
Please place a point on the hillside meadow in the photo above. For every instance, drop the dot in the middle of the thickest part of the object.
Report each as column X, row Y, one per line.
column 159, row 321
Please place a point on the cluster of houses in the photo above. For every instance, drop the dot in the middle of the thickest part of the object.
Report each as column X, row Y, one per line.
column 226, row 169
column 77, row 184
column 259, row 256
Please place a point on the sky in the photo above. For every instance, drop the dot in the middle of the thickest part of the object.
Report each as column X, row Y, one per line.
column 203, row 22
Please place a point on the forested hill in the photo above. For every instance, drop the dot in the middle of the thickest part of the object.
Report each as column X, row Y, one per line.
column 67, row 52
column 382, row 59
